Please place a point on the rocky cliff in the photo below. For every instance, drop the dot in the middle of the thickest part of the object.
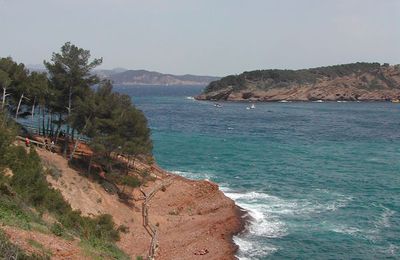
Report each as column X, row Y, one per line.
column 350, row 82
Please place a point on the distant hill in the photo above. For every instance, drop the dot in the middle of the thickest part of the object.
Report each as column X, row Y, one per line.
column 107, row 73
column 355, row 81
column 144, row 77
column 121, row 76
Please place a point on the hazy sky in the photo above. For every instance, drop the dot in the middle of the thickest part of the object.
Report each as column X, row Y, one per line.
column 215, row 37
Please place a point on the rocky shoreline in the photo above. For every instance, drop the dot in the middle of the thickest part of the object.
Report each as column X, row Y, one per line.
column 348, row 82
column 196, row 219
column 304, row 94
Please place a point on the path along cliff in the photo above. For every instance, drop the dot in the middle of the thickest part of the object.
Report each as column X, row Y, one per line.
column 194, row 219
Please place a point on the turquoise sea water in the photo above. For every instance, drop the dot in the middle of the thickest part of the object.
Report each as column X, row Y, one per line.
column 320, row 180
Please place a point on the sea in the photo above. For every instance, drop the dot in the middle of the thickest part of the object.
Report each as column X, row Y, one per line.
column 319, row 180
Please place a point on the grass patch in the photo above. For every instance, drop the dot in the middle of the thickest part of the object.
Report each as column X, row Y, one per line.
column 99, row 249
column 45, row 253
column 14, row 213
column 28, row 195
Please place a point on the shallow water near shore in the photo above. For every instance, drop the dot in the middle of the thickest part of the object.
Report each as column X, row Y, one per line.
column 320, row 180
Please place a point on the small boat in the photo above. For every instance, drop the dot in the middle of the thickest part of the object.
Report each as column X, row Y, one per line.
column 251, row 107
column 283, row 101
column 395, row 100
column 318, row 101
column 341, row 101
column 217, row 105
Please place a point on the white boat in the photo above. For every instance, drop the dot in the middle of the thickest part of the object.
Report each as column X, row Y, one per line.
column 283, row 101
column 251, row 107
column 217, row 105
column 318, row 101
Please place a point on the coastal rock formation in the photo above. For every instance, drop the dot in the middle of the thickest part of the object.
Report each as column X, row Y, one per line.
column 349, row 82
column 194, row 218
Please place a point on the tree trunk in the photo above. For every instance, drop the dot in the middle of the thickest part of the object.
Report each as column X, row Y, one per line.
column 77, row 139
column 4, row 98
column 74, row 150
column 19, row 105
column 58, row 128
column 68, row 127
column 51, row 125
column 66, row 142
column 48, row 126
column 43, row 121
column 38, row 121
column 33, row 108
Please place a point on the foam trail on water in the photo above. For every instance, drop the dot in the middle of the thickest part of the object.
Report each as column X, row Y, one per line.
column 268, row 215
column 193, row 176
column 252, row 250
column 262, row 223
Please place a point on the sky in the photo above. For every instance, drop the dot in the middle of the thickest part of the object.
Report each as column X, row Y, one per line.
column 204, row 37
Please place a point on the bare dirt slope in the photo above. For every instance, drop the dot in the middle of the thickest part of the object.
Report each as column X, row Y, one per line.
column 91, row 199
column 196, row 220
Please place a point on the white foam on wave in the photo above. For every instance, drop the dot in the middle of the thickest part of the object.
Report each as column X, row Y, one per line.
column 392, row 250
column 193, row 175
column 278, row 206
column 190, row 98
column 267, row 216
column 262, row 224
column 251, row 250
column 372, row 232
column 343, row 229
column 384, row 220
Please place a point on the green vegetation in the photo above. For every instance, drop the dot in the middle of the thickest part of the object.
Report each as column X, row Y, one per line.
column 27, row 188
column 66, row 104
column 70, row 103
column 264, row 79
column 70, row 97
column 96, row 249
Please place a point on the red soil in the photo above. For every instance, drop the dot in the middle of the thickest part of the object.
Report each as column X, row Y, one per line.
column 196, row 220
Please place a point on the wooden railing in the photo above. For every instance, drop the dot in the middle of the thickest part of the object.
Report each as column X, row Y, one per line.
column 152, row 229
column 38, row 144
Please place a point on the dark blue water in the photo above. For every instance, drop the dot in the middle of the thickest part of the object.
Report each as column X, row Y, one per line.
column 321, row 180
